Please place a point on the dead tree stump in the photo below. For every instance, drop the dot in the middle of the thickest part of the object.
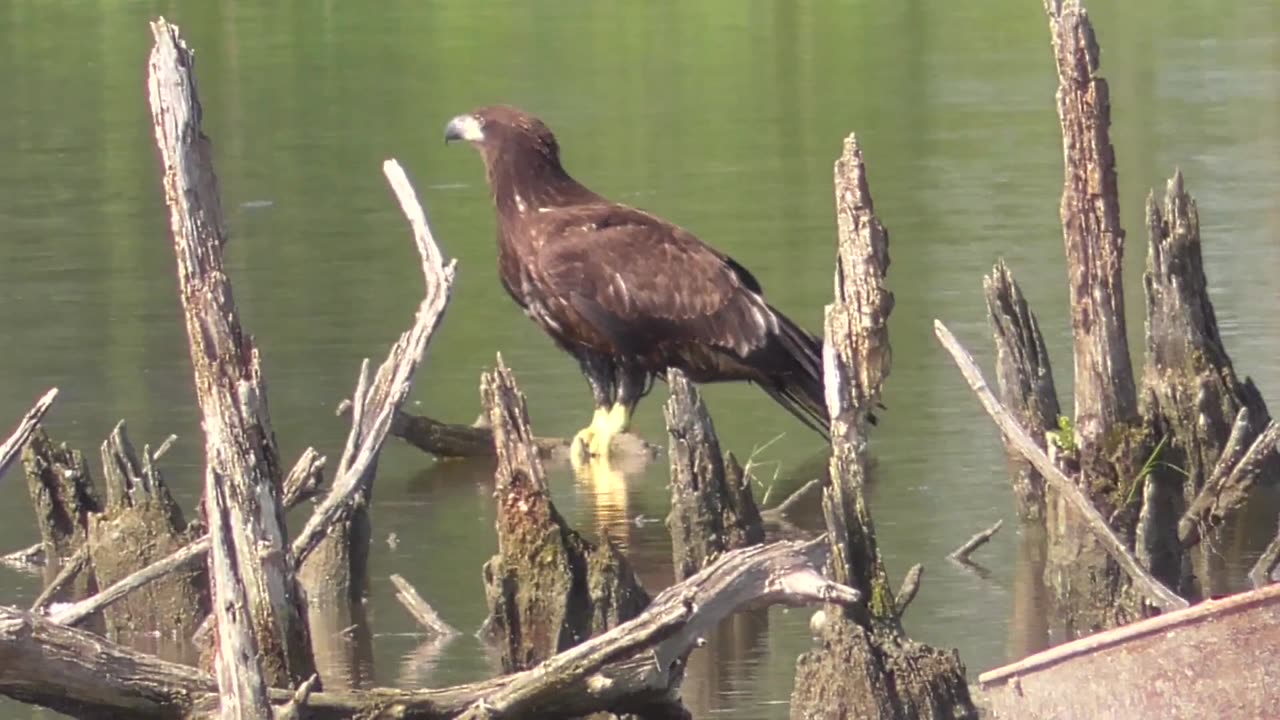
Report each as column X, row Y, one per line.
column 1090, row 590
column 140, row 525
column 548, row 589
column 712, row 508
column 261, row 628
column 864, row 665
column 64, row 497
column 1025, row 378
column 1192, row 393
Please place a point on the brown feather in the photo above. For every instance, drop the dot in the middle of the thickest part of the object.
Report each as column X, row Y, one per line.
column 606, row 278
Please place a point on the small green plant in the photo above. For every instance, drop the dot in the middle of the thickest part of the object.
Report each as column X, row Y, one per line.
column 1065, row 436
column 1148, row 467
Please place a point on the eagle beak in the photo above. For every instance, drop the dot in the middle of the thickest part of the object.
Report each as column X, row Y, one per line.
column 463, row 127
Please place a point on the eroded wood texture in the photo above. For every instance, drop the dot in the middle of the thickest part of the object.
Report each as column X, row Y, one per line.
column 1090, row 591
column 548, row 588
column 1025, row 378
column 64, row 498
column 712, row 507
column 1207, row 416
column 142, row 524
column 864, row 665
column 262, row 633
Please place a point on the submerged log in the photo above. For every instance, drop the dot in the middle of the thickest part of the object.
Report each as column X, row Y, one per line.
column 261, row 630
column 712, row 508
column 864, row 665
column 64, row 497
column 332, row 550
column 140, row 525
column 631, row 668
column 548, row 589
column 1025, row 378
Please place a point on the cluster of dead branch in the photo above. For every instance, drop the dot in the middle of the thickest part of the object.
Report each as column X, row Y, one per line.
column 1131, row 485
column 576, row 631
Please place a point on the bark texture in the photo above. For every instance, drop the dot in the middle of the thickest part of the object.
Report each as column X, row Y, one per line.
column 140, row 525
column 548, row 589
column 64, row 497
column 864, row 665
column 1091, row 592
column 1025, row 378
column 1206, row 415
column 712, row 508
column 261, row 629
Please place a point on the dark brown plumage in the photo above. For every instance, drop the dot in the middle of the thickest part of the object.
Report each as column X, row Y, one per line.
column 625, row 292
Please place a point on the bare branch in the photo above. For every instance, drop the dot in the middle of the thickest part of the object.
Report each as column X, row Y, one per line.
column 420, row 609
column 12, row 447
column 962, row 553
column 1156, row 593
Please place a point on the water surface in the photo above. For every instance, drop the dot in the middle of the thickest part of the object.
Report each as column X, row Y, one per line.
column 722, row 116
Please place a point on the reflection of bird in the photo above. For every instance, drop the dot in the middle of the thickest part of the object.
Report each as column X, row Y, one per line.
column 627, row 293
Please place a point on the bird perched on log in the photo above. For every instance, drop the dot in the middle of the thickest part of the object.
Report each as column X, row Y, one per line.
column 627, row 293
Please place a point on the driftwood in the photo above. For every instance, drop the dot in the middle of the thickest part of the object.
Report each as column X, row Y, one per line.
column 449, row 440
column 12, row 446
column 305, row 479
column 864, row 665
column 261, row 629
column 1025, row 378
column 629, row 668
column 548, row 589
column 421, row 611
column 332, row 550
column 962, row 553
column 1155, row 592
column 712, row 508
column 64, row 498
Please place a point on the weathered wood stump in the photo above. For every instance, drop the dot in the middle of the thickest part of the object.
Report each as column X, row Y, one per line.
column 1026, row 382
column 548, row 589
column 64, row 497
column 712, row 508
column 261, row 629
column 140, row 525
column 864, row 665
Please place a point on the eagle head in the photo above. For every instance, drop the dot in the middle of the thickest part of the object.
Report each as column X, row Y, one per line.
column 502, row 126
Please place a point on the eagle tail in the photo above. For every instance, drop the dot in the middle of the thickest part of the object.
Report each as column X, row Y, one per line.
column 792, row 367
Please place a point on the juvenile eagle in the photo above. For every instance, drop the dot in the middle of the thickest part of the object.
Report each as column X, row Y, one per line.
column 627, row 293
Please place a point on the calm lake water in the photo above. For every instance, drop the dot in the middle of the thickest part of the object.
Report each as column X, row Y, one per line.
column 722, row 116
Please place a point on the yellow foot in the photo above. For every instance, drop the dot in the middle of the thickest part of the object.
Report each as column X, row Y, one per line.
column 594, row 441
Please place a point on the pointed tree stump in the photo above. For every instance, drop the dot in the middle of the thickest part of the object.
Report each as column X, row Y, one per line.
column 64, row 497
column 548, row 589
column 712, row 508
column 864, row 665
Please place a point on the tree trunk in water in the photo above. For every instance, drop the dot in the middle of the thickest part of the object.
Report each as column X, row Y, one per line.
column 712, row 508
column 864, row 665
column 142, row 524
column 1026, row 382
column 261, row 629
column 548, row 589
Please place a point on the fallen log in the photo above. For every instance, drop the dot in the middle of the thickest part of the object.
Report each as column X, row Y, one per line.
column 712, row 508
column 630, row 668
column 261, row 629
column 548, row 588
column 962, row 553
column 864, row 665
column 421, row 611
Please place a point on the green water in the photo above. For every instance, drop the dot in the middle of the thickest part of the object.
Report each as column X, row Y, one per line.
column 722, row 116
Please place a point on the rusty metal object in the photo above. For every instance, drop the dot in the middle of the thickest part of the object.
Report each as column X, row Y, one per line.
column 1218, row 659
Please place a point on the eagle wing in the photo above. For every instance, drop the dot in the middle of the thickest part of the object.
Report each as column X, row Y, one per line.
column 646, row 287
